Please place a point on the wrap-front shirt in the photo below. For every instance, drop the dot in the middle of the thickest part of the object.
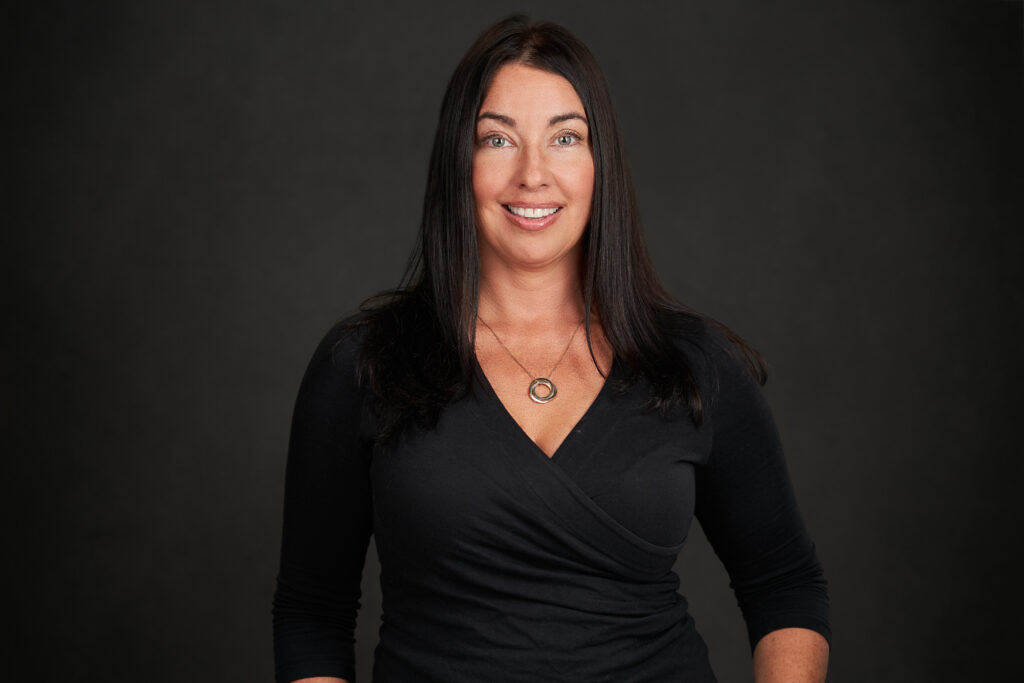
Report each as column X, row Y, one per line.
column 499, row 563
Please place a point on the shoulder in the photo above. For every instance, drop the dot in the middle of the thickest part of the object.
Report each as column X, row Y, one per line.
column 387, row 345
column 723, row 364
column 706, row 345
column 340, row 346
column 333, row 369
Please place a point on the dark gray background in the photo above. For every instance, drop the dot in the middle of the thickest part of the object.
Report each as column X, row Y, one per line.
column 201, row 189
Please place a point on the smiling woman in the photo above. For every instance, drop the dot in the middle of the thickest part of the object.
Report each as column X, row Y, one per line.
column 528, row 424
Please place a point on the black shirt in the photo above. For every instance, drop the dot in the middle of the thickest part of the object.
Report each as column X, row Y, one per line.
column 499, row 563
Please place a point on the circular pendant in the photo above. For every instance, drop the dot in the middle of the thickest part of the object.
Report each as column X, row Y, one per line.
column 547, row 384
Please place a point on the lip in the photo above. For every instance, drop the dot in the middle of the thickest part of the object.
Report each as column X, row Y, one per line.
column 532, row 224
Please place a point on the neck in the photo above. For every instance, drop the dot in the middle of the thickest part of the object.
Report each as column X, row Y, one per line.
column 539, row 299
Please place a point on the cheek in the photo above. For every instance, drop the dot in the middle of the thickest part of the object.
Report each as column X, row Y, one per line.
column 477, row 180
column 487, row 180
column 583, row 185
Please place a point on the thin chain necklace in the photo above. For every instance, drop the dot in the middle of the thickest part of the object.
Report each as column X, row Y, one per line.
column 536, row 381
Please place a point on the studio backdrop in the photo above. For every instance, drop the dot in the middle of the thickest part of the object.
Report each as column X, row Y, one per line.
column 203, row 188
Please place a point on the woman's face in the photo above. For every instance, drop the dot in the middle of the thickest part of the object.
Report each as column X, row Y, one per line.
column 533, row 173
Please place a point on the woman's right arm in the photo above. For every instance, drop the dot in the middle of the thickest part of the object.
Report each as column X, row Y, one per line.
column 327, row 521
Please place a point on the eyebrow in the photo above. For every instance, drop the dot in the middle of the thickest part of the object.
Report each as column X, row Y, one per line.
column 508, row 120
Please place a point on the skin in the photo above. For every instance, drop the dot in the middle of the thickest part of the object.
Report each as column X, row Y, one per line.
column 533, row 148
column 791, row 655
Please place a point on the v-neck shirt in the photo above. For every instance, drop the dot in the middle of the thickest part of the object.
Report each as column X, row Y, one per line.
column 501, row 415
column 499, row 563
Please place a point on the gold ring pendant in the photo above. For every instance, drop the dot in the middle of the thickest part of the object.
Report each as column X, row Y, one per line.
column 547, row 384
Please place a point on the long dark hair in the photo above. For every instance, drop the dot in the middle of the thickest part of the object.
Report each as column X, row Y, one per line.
column 417, row 353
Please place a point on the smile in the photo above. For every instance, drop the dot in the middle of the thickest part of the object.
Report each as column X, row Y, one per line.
column 530, row 212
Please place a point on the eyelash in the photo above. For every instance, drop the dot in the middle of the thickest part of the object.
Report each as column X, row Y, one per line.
column 570, row 134
column 487, row 140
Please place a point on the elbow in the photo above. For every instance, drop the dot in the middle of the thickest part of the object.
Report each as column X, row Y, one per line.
column 795, row 596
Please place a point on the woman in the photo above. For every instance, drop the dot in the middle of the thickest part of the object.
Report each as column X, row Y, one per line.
column 528, row 424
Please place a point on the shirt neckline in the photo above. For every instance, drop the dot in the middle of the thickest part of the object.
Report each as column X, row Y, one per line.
column 504, row 417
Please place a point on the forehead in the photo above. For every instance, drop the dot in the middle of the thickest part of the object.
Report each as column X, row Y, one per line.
column 524, row 92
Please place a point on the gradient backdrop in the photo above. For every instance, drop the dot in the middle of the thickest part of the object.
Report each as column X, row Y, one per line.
column 201, row 188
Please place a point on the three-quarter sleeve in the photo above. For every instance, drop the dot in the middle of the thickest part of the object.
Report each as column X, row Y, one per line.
column 747, row 508
column 327, row 519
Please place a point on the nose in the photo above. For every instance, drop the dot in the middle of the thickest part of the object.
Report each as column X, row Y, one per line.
column 533, row 169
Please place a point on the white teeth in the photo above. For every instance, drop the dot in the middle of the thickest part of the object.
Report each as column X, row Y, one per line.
column 531, row 213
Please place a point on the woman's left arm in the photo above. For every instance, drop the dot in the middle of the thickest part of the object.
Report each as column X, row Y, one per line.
column 791, row 655
column 747, row 508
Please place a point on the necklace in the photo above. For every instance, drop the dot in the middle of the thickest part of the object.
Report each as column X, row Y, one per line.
column 536, row 382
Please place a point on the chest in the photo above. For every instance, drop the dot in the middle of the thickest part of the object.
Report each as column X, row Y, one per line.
column 547, row 409
column 480, row 481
